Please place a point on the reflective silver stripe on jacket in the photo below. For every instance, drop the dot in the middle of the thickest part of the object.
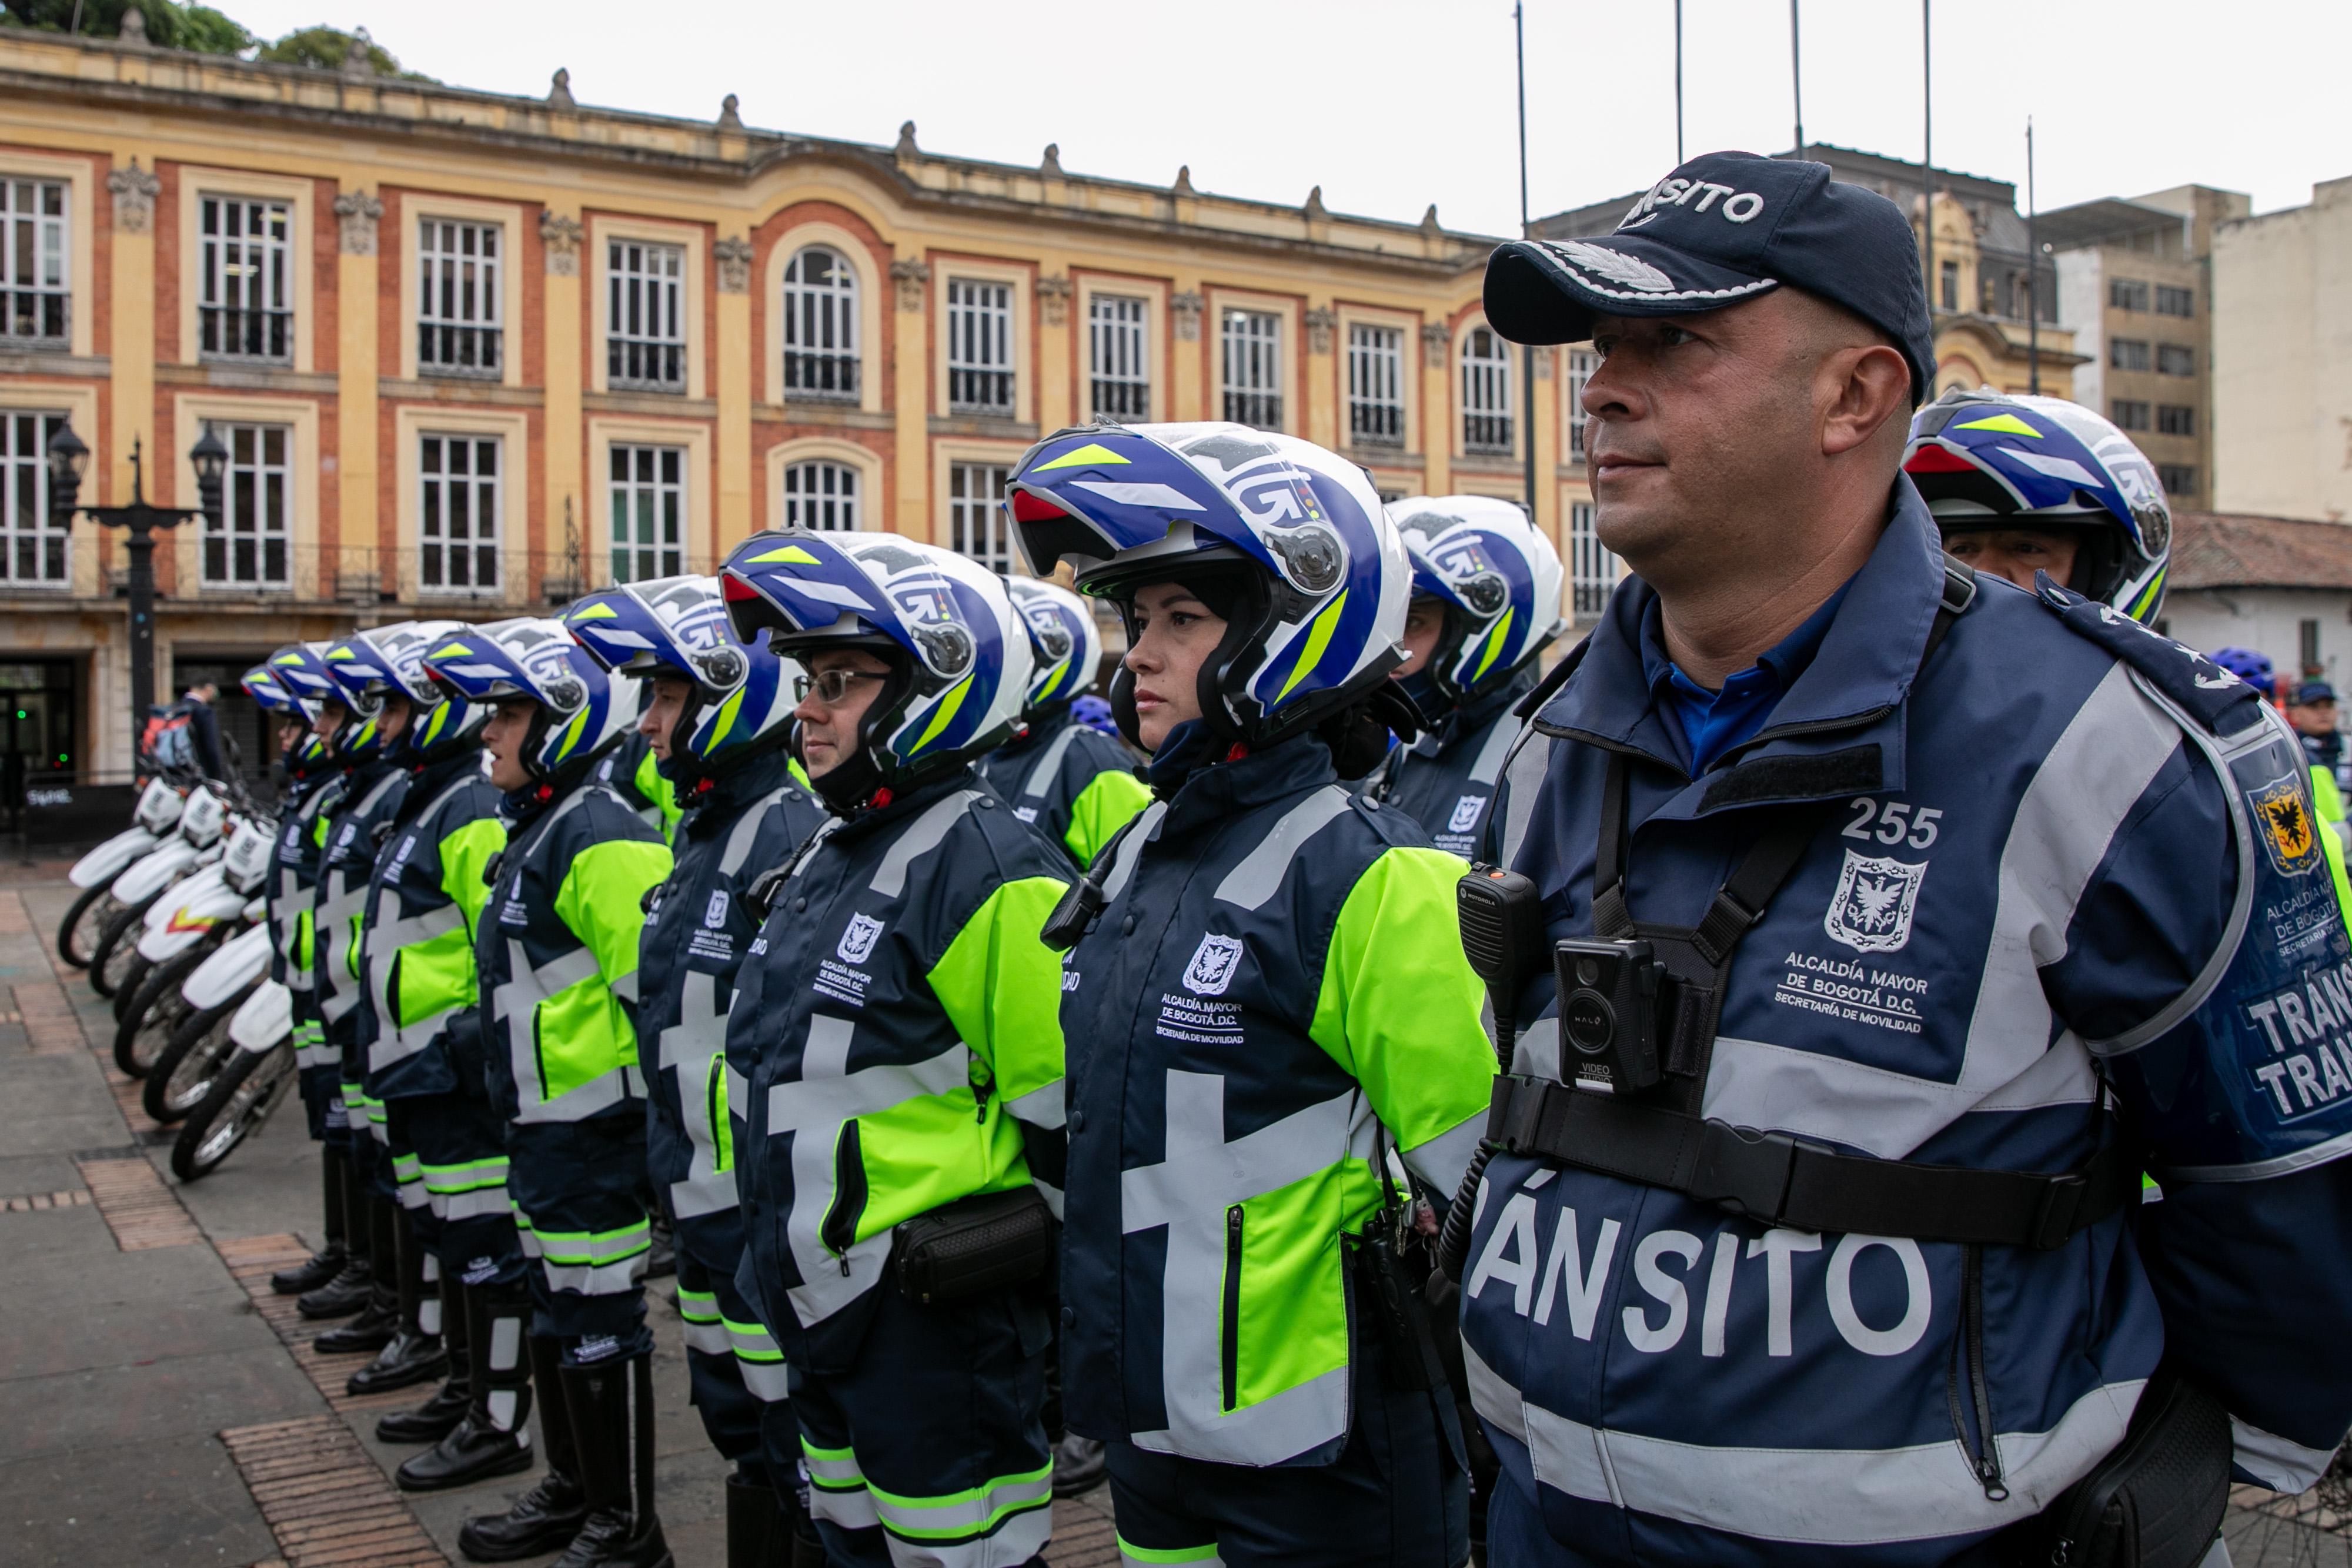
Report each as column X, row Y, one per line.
column 1260, row 873
column 338, row 904
column 1041, row 778
column 380, row 945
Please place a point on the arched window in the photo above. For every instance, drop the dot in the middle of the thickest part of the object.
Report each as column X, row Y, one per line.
column 1486, row 392
column 820, row 325
column 819, row 494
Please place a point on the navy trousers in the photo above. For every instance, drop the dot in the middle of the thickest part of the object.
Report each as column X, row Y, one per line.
column 577, row 1188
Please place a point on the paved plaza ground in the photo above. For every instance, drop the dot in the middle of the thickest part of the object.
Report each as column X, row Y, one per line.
column 162, row 1408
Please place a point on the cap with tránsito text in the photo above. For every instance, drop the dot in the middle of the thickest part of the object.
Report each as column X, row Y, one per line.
column 1723, row 228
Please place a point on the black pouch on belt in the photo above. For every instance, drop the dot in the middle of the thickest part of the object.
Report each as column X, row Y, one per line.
column 978, row 1243
column 2156, row 1501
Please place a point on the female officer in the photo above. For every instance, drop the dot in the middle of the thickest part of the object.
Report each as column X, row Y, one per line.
column 1269, row 1004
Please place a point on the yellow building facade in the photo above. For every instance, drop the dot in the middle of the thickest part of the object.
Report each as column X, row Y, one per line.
column 474, row 354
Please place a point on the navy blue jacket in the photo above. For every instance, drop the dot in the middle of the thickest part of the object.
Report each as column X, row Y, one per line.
column 1446, row 779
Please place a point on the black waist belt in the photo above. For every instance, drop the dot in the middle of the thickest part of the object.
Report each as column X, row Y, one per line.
column 1773, row 1178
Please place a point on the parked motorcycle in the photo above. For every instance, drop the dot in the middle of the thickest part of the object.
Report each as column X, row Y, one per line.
column 256, row 1080
column 160, row 805
column 183, row 1072
column 197, row 841
column 183, row 928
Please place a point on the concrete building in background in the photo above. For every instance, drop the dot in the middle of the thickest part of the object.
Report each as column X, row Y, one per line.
column 2135, row 285
column 2283, row 359
column 476, row 354
column 2278, row 585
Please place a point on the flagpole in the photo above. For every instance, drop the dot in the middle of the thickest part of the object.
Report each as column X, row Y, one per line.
column 1927, row 158
column 1796, row 78
column 2032, row 273
column 1678, row 83
column 1528, row 353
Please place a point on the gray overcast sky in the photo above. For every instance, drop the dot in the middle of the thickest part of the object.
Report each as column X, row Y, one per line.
column 1392, row 104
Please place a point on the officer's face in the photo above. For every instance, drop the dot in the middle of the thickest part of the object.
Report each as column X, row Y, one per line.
column 290, row 732
column 2016, row 553
column 392, row 722
column 670, row 696
column 1423, row 619
column 503, row 737
column 1174, row 634
column 2313, row 719
column 1735, row 440
column 829, row 728
column 331, row 715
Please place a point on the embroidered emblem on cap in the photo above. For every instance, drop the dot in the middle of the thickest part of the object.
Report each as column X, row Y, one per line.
column 1615, row 267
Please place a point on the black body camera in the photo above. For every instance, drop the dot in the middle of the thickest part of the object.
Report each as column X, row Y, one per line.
column 1610, row 997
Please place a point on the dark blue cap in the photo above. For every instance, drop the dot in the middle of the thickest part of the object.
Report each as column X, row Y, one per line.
column 1724, row 227
column 2312, row 692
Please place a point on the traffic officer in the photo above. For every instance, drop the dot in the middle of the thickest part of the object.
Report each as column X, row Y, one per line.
column 633, row 772
column 1485, row 604
column 720, row 723
column 557, row 963
column 314, row 784
column 1906, row 918
column 1262, row 1016
column 895, row 1062
column 373, row 792
column 1076, row 786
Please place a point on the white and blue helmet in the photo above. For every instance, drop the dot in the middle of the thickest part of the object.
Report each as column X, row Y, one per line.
column 304, row 671
column 1322, row 577
column 677, row 627
column 374, row 664
column 957, row 649
column 1064, row 641
column 583, row 711
column 1496, row 575
column 273, row 689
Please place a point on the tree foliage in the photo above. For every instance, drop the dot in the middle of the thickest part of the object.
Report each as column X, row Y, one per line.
column 326, row 48
column 170, row 25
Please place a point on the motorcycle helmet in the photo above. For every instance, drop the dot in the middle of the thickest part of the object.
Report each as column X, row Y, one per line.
column 1985, row 460
column 583, row 711
column 372, row 665
column 304, row 672
column 1312, row 569
column 959, row 651
column 274, row 695
column 676, row 627
column 307, row 755
column 1064, row 642
column 1498, row 578
column 2249, row 666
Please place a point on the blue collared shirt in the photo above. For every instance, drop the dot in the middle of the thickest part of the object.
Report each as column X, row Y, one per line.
column 1712, row 723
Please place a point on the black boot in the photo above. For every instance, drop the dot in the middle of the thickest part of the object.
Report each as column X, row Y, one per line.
column 414, row 1354
column 613, row 1422
column 551, row 1513
column 380, row 1319
column 758, row 1535
column 439, row 1417
column 490, row 1440
column 350, row 1291
column 327, row 1261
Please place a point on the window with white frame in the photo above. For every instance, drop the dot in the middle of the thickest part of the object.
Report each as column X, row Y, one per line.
column 1376, row 385
column 1581, row 363
column 978, row 525
column 244, row 308
column 649, row 511
column 1122, row 359
column 1486, row 392
column 820, row 325
column 645, row 316
column 457, row 513
column 35, row 295
column 980, row 347
column 1252, row 350
column 35, row 547
column 1592, row 567
column 249, row 543
column 819, row 494
column 458, row 332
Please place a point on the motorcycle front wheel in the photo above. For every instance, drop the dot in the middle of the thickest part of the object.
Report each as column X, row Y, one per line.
column 248, row 1089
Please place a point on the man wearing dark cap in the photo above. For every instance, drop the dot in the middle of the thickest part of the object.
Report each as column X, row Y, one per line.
column 1899, row 919
column 2312, row 710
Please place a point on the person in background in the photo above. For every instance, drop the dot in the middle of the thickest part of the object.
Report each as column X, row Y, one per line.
column 1072, row 784
column 2312, row 710
column 203, row 727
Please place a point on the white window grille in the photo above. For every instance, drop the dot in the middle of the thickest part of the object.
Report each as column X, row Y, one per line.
column 819, row 495
column 645, row 321
column 245, row 311
column 459, row 331
column 977, row 523
column 1581, row 363
column 1486, row 392
column 1376, row 386
column 1122, row 359
column 35, row 548
column 1592, row 567
column 820, row 325
column 457, row 514
column 649, row 511
column 35, row 298
column 248, row 544
column 1253, row 344
column 980, row 347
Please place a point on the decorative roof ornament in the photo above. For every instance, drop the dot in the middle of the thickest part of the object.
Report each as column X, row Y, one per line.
column 907, row 148
column 730, row 115
column 1429, row 225
column 1183, row 186
column 359, row 60
column 1314, row 210
column 559, row 91
column 1052, row 164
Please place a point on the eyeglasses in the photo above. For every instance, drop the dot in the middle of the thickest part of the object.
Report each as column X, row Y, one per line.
column 832, row 686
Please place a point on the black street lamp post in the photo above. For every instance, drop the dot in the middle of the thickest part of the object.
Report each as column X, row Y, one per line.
column 67, row 460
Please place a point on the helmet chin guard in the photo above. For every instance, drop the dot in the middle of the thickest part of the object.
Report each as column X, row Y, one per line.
column 676, row 627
